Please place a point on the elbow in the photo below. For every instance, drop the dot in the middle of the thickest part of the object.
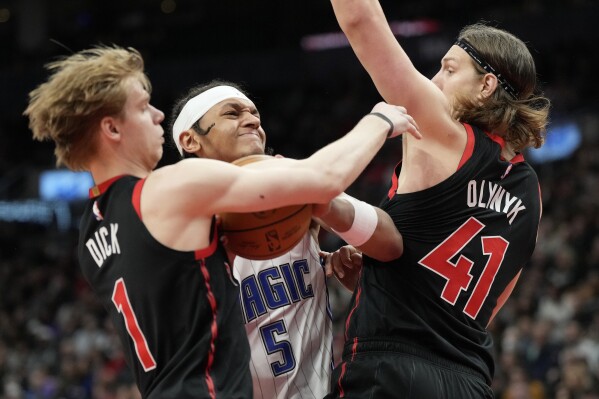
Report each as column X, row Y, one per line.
column 353, row 16
column 383, row 250
column 332, row 190
column 386, row 244
column 392, row 252
column 333, row 183
column 350, row 21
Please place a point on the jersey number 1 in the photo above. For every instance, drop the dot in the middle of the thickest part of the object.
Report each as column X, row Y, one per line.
column 123, row 305
column 458, row 274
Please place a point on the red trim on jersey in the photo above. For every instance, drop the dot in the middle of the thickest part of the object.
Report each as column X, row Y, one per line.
column 213, row 329
column 209, row 250
column 101, row 188
column 393, row 188
column 351, row 312
column 200, row 255
column 341, row 392
column 355, row 340
column 504, row 296
column 499, row 140
column 469, row 145
column 136, row 197
column 354, row 348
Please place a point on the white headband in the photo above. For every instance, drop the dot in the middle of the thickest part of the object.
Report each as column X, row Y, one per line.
column 195, row 108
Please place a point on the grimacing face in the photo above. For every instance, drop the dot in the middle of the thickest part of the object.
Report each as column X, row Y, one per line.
column 237, row 131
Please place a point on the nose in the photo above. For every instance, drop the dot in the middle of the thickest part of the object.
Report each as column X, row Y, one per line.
column 158, row 115
column 251, row 120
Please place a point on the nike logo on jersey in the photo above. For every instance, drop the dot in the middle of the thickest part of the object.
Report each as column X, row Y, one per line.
column 104, row 244
column 492, row 196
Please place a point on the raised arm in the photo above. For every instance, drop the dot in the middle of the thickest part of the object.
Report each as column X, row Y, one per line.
column 390, row 68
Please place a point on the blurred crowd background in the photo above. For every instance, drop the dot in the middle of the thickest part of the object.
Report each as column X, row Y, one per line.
column 55, row 339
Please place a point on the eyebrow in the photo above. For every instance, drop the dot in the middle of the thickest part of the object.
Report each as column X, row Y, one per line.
column 237, row 105
column 145, row 98
column 447, row 59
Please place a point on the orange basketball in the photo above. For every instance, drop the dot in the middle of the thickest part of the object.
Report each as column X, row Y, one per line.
column 265, row 234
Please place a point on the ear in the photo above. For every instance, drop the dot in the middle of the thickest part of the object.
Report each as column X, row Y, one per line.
column 109, row 128
column 190, row 141
column 489, row 85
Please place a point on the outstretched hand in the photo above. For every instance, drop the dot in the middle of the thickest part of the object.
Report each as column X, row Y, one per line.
column 345, row 263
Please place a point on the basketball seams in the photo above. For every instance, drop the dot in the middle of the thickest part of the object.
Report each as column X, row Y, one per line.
column 245, row 230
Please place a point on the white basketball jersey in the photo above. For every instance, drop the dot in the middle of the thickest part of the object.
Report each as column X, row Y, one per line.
column 285, row 304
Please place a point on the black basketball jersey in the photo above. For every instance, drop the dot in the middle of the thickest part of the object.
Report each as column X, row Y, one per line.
column 466, row 241
column 177, row 313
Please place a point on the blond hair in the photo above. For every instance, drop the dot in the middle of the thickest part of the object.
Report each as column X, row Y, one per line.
column 521, row 121
column 81, row 90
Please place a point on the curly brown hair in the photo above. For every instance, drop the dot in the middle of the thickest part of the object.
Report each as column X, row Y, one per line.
column 81, row 90
column 521, row 121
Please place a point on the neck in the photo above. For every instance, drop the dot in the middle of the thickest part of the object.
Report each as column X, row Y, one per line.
column 508, row 152
column 101, row 170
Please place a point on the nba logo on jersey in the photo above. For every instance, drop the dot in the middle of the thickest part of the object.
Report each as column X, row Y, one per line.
column 97, row 213
column 272, row 238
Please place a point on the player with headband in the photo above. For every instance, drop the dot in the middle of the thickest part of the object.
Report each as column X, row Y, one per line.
column 284, row 300
column 467, row 205
column 149, row 243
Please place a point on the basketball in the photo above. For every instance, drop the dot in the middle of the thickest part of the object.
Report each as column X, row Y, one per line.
column 265, row 234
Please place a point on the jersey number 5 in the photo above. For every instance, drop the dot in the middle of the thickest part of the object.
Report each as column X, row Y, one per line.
column 458, row 274
column 123, row 305
column 272, row 346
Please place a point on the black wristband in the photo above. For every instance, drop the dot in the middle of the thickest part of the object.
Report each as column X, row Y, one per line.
column 383, row 117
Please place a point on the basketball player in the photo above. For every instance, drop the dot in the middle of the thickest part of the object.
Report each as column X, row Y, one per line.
column 466, row 203
column 149, row 244
column 284, row 300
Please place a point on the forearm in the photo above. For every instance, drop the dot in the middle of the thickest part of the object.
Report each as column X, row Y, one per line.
column 339, row 217
column 367, row 228
column 341, row 162
column 372, row 40
column 351, row 14
column 386, row 243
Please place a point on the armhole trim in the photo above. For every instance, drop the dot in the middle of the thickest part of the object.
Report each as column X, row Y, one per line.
column 136, row 197
column 211, row 248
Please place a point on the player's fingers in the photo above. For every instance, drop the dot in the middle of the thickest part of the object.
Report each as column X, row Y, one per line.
column 337, row 264
column 413, row 128
column 356, row 259
column 402, row 109
column 345, row 257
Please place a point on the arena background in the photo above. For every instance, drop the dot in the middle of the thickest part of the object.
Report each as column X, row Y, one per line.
column 55, row 341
